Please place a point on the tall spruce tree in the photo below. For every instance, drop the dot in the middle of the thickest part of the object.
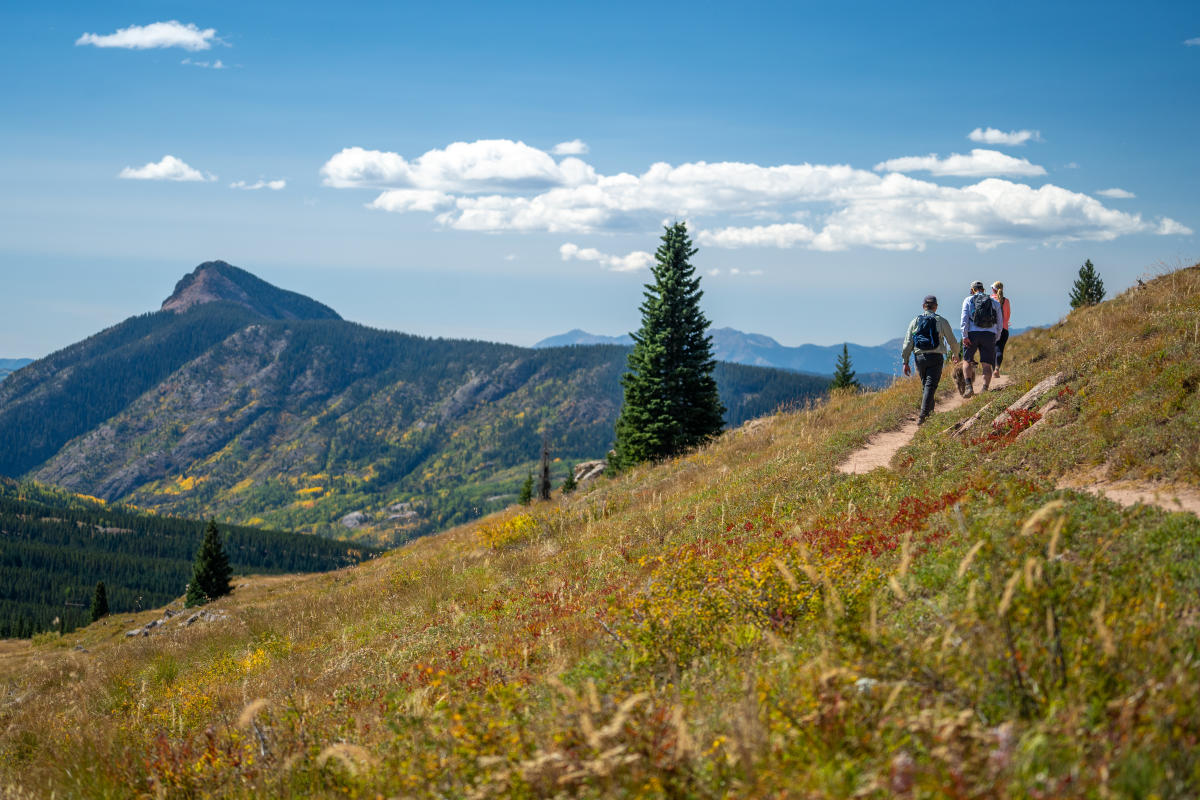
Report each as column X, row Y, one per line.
column 671, row 401
column 1088, row 289
column 843, row 376
column 99, row 602
column 211, row 573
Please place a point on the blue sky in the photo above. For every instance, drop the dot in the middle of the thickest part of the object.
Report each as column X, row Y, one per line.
column 499, row 171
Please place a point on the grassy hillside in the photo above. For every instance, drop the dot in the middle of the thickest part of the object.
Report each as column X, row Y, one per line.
column 55, row 546
column 741, row 622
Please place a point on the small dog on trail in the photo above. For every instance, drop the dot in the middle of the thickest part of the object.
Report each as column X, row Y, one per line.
column 960, row 381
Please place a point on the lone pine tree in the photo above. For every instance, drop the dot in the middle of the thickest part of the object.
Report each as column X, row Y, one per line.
column 526, row 495
column 671, row 401
column 99, row 602
column 1088, row 289
column 211, row 573
column 843, row 376
column 569, row 483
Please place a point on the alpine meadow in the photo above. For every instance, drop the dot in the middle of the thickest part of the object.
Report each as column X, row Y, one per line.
column 600, row 401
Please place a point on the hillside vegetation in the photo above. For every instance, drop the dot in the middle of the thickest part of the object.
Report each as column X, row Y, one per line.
column 55, row 546
column 290, row 423
column 740, row 622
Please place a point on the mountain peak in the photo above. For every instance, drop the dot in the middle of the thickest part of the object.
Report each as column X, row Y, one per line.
column 215, row 281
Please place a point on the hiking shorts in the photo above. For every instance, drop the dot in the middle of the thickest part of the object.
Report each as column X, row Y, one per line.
column 985, row 343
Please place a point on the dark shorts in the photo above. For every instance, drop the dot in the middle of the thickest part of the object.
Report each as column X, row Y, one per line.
column 985, row 343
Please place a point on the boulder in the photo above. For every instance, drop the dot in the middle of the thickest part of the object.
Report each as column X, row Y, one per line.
column 589, row 470
column 354, row 519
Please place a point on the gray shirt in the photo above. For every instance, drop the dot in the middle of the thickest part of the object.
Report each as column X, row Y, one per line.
column 947, row 345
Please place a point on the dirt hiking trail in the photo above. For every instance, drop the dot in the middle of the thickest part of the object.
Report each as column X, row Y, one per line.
column 880, row 448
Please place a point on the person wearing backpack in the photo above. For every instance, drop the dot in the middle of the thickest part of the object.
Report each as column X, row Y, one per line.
column 980, row 328
column 1006, row 308
column 931, row 338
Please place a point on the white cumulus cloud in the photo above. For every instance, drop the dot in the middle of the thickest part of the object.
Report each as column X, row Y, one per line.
column 156, row 34
column 484, row 165
column 994, row 136
column 169, row 168
column 1116, row 194
column 401, row 200
column 630, row 262
column 575, row 147
column 975, row 165
column 260, row 184
column 501, row 185
column 783, row 235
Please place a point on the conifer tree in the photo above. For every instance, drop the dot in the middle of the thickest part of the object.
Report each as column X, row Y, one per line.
column 843, row 376
column 211, row 573
column 99, row 602
column 1088, row 289
column 526, row 495
column 671, row 401
column 569, row 484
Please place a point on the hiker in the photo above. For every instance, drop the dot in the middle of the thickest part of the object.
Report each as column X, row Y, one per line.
column 980, row 329
column 932, row 339
column 1006, row 309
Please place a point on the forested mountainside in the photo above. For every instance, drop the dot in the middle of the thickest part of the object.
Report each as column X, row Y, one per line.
column 296, row 423
column 55, row 546
column 744, row 621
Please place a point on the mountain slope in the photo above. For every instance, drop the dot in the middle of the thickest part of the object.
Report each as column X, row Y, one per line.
column 297, row 423
column 55, row 546
column 740, row 622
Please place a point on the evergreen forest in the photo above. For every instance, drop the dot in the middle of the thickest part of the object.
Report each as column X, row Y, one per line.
column 55, row 547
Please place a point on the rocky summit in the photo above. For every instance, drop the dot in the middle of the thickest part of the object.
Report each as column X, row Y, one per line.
column 217, row 281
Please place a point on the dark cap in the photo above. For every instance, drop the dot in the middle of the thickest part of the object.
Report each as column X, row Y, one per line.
column 977, row 285
column 930, row 300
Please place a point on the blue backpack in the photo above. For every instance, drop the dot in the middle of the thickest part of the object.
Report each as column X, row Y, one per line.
column 926, row 337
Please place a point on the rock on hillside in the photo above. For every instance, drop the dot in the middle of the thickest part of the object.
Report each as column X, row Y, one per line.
column 215, row 281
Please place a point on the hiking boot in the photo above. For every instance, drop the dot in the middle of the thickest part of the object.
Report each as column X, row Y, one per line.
column 921, row 420
column 969, row 391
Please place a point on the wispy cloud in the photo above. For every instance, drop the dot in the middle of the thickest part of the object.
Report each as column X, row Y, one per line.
column 156, row 34
column 1192, row 42
column 218, row 64
column 1116, row 194
column 506, row 186
column 994, row 136
column 630, row 262
column 575, row 147
column 1169, row 227
column 169, row 168
column 977, row 164
column 274, row 186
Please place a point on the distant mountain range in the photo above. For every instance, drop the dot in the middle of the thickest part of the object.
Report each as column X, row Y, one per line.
column 10, row 365
column 763, row 351
column 260, row 406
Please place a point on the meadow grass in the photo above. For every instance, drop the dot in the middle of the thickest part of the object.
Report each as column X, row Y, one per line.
column 743, row 621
